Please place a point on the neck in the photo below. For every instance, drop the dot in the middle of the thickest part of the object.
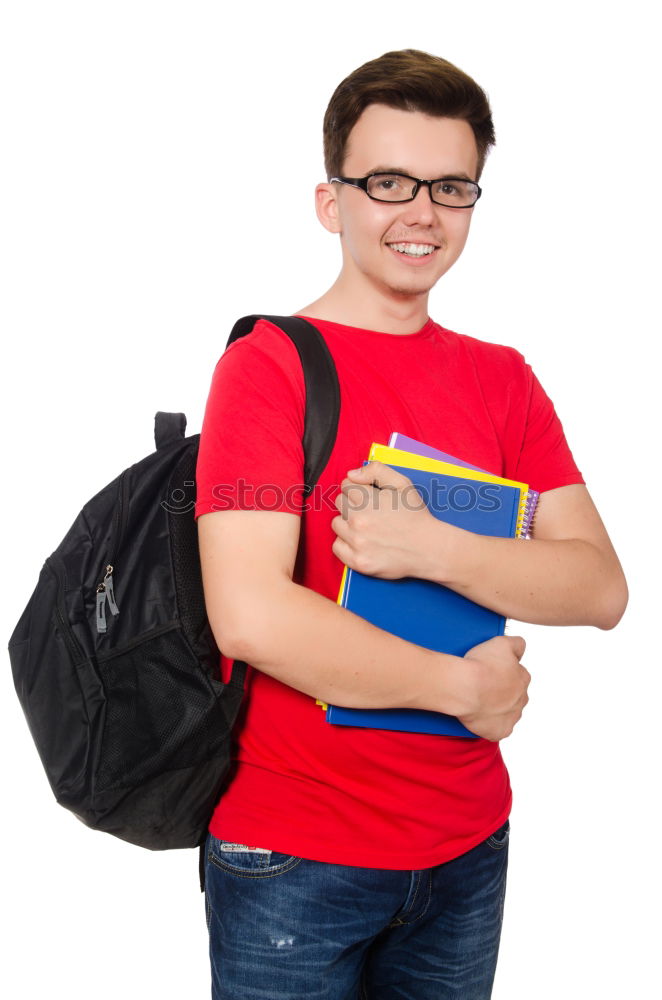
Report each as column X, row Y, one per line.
column 382, row 310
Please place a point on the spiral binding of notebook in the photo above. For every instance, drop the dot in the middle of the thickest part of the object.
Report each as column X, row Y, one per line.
column 530, row 505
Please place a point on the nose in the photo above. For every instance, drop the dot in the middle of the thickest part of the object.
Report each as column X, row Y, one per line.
column 421, row 209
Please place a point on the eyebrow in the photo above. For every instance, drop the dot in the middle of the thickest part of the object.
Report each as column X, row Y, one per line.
column 460, row 175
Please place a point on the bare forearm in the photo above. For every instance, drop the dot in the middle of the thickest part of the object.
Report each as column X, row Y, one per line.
column 314, row 645
column 568, row 574
column 559, row 582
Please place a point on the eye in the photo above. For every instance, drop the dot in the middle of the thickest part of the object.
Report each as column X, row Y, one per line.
column 390, row 187
column 450, row 189
column 454, row 192
column 387, row 182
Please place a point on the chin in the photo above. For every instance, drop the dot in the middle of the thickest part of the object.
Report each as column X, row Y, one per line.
column 412, row 284
column 411, row 288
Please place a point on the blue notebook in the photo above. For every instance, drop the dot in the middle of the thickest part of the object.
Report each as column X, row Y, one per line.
column 426, row 613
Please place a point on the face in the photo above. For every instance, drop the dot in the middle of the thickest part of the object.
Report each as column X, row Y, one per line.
column 382, row 243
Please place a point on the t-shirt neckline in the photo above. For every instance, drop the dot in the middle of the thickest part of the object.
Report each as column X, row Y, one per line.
column 424, row 330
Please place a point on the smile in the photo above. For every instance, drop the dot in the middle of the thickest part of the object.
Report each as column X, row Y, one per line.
column 413, row 249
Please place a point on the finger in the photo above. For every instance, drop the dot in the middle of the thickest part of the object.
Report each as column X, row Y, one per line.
column 382, row 476
column 341, row 550
column 341, row 504
column 339, row 525
column 358, row 497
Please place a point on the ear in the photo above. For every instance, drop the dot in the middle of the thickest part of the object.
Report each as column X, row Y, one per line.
column 326, row 205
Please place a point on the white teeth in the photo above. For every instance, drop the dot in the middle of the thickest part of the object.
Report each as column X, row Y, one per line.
column 413, row 249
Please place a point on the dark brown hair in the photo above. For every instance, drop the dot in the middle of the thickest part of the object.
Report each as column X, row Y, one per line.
column 409, row 80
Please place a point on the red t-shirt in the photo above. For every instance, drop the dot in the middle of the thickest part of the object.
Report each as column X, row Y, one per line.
column 302, row 786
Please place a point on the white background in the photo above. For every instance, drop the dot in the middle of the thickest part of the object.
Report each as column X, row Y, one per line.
column 157, row 182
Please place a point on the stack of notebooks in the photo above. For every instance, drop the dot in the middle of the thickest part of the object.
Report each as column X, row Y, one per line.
column 426, row 613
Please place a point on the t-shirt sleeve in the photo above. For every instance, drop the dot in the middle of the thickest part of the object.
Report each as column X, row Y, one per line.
column 545, row 460
column 251, row 452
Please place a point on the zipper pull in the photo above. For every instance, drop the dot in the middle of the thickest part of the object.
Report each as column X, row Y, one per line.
column 101, row 608
column 106, row 592
column 110, row 590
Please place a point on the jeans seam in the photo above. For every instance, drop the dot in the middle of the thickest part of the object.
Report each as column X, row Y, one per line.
column 418, row 886
column 399, row 922
column 497, row 845
column 425, row 908
column 254, row 873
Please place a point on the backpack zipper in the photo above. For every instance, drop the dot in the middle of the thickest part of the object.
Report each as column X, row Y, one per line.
column 106, row 588
column 106, row 592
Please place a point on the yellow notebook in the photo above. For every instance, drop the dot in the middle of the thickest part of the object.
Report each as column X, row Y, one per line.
column 409, row 460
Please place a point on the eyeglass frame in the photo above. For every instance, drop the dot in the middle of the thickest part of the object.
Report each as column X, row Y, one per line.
column 362, row 183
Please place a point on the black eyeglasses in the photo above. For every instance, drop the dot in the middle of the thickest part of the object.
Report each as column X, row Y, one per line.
column 452, row 192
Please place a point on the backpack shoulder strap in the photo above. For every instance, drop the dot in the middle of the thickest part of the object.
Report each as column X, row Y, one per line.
column 322, row 388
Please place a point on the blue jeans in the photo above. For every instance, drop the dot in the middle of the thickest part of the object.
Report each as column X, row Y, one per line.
column 283, row 928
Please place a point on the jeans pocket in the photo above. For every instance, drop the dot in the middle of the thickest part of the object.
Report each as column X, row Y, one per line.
column 246, row 861
column 499, row 839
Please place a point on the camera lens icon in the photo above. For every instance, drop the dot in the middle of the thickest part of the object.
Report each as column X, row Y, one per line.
column 180, row 500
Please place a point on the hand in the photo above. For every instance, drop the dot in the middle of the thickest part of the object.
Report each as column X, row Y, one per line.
column 383, row 523
column 499, row 683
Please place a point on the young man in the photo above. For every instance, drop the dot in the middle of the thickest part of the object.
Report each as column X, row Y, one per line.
column 349, row 862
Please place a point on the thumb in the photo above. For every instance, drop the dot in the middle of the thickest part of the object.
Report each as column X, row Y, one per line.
column 517, row 644
column 362, row 473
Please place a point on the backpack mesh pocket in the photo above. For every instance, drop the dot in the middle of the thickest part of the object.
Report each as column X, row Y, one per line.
column 161, row 708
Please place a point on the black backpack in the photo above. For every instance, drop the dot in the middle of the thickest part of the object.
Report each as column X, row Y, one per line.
column 113, row 659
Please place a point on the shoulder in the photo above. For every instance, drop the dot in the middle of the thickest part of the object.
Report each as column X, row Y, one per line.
column 483, row 351
column 498, row 364
column 269, row 341
column 259, row 373
column 264, row 357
